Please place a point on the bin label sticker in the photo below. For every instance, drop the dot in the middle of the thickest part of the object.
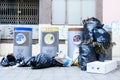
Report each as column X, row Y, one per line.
column 49, row 39
column 20, row 38
column 76, row 39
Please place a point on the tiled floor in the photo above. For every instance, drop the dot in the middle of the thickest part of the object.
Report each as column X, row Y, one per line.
column 54, row 73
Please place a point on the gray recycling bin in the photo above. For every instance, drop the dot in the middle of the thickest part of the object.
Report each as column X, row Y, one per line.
column 22, row 42
column 49, row 40
column 75, row 36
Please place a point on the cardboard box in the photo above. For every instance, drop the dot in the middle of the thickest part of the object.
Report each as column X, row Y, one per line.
column 101, row 67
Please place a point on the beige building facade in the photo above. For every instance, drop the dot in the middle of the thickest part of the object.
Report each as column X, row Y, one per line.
column 49, row 13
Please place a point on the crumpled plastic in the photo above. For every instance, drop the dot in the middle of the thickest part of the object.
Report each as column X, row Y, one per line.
column 63, row 59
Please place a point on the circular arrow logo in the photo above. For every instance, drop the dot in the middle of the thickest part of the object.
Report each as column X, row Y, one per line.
column 20, row 38
column 49, row 39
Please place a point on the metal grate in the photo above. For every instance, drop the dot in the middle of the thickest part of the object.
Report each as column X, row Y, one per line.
column 19, row 11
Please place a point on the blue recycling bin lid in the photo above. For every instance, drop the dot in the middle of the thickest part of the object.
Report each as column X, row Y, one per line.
column 22, row 29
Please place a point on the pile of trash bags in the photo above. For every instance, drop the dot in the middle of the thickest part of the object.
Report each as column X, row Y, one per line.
column 42, row 60
column 96, row 40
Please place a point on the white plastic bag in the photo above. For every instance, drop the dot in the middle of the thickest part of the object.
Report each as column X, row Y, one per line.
column 63, row 59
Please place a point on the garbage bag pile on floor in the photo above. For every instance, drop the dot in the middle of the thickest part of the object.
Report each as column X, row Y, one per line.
column 95, row 42
column 42, row 60
column 10, row 60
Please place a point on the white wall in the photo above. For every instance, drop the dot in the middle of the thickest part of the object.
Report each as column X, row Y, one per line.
column 116, row 39
column 111, row 16
column 111, row 11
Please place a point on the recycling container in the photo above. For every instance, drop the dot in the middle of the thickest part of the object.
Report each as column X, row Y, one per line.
column 75, row 37
column 22, row 43
column 49, row 40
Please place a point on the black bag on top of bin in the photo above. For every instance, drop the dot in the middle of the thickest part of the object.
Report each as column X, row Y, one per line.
column 89, row 25
column 101, row 35
column 9, row 60
column 102, row 40
column 87, row 54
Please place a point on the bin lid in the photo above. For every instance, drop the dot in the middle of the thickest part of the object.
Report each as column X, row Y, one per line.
column 50, row 29
column 22, row 29
column 75, row 29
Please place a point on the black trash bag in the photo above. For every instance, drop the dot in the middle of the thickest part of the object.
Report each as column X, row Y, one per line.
column 101, row 35
column 102, row 40
column 24, row 63
column 9, row 60
column 87, row 54
column 100, row 57
column 92, row 21
column 89, row 25
column 43, row 60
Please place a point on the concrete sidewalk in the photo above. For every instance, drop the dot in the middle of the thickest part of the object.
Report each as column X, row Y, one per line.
column 54, row 73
